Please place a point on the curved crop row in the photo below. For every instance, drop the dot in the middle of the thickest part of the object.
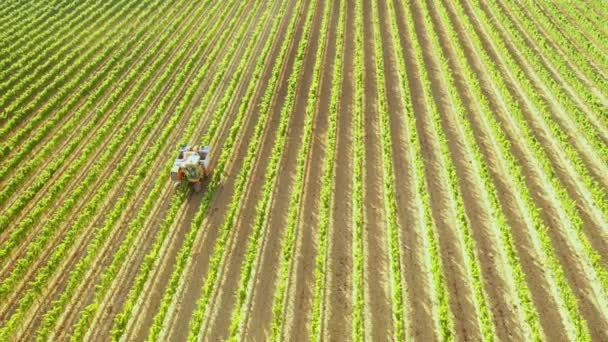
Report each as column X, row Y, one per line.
column 539, row 236
column 529, row 316
column 566, row 205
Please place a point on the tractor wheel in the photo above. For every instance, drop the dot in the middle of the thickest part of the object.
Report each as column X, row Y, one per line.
column 197, row 187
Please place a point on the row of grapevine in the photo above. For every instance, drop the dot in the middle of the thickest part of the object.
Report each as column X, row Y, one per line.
column 201, row 313
column 54, row 223
column 359, row 322
column 121, row 320
column 565, row 206
column 324, row 230
column 77, row 165
column 119, row 207
column 556, row 279
column 529, row 317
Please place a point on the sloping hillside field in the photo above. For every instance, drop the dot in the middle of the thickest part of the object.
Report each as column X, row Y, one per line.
column 377, row 170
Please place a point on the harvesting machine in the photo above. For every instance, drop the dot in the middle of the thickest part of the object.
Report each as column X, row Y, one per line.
column 191, row 165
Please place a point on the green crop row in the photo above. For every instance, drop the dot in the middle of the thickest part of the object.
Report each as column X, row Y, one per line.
column 530, row 320
column 61, row 212
column 566, row 205
column 38, row 83
column 324, row 226
column 42, row 205
column 37, row 286
column 358, row 181
column 78, row 276
column 539, row 235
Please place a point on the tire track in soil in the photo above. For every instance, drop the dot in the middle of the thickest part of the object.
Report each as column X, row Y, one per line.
column 339, row 297
column 159, row 213
column 529, row 260
column 83, row 202
column 568, row 258
column 460, row 294
column 188, row 295
column 73, row 156
column 486, row 244
column 63, row 277
column 171, row 245
column 417, row 296
column 593, row 228
column 217, row 327
column 376, row 262
column 573, row 274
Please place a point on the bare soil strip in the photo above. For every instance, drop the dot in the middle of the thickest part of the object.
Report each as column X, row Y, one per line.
column 339, row 300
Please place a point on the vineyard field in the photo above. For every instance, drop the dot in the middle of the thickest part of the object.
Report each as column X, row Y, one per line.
column 383, row 170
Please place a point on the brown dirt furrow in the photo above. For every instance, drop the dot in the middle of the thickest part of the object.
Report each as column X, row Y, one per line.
column 490, row 259
column 107, row 206
column 534, row 271
column 339, row 270
column 574, row 21
column 379, row 319
column 550, row 214
column 82, row 203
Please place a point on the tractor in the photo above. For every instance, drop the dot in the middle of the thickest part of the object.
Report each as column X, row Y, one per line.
column 191, row 165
